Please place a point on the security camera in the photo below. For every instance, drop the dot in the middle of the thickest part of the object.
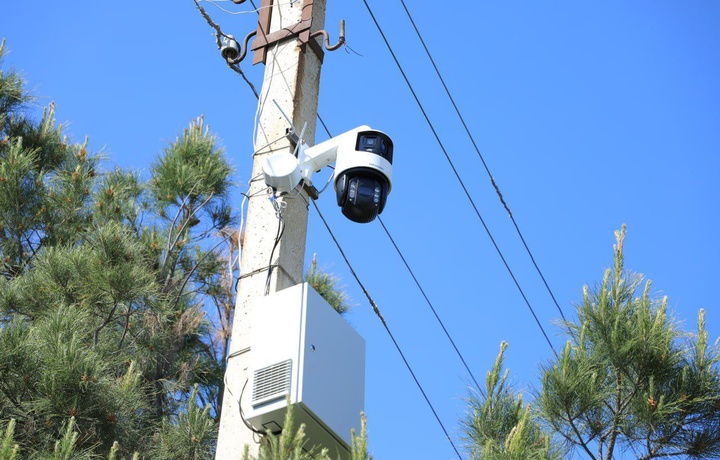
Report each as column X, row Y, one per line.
column 230, row 48
column 363, row 175
column 363, row 170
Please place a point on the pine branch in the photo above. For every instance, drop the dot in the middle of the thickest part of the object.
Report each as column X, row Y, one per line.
column 171, row 243
column 127, row 326
column 102, row 326
column 613, row 432
column 578, row 437
column 189, row 275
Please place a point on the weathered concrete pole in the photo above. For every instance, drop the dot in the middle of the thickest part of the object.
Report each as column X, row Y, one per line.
column 292, row 78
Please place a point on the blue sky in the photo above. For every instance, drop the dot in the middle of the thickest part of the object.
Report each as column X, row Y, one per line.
column 589, row 115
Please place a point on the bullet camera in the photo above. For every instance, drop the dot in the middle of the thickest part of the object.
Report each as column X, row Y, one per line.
column 363, row 170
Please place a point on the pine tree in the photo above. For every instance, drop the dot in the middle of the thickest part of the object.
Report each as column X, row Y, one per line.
column 627, row 379
column 500, row 426
column 105, row 345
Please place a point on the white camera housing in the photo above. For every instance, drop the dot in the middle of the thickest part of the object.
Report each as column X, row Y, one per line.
column 363, row 170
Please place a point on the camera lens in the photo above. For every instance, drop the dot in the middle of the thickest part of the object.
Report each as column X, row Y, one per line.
column 374, row 142
column 361, row 195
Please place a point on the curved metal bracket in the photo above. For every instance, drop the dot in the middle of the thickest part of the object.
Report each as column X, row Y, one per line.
column 237, row 53
column 341, row 38
column 301, row 31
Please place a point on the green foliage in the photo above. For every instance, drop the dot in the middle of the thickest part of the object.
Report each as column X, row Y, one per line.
column 8, row 447
column 192, row 171
column 327, row 286
column 191, row 435
column 104, row 344
column 500, row 426
column 56, row 375
column 291, row 444
column 12, row 90
column 66, row 447
column 359, row 447
column 627, row 379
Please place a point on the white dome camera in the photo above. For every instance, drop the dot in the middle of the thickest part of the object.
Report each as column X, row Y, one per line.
column 363, row 173
column 363, row 170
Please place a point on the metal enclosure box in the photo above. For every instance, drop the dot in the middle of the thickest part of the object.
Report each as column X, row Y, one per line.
column 303, row 349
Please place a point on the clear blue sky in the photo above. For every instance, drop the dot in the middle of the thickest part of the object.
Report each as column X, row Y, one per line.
column 589, row 114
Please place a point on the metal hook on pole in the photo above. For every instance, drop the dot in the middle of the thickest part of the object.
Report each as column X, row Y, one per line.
column 231, row 50
column 341, row 38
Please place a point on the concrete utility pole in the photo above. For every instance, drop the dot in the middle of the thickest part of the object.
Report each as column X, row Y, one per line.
column 292, row 78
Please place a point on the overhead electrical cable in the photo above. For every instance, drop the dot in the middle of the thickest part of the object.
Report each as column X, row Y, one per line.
column 377, row 312
column 437, row 317
column 482, row 159
column 218, row 33
column 457, row 175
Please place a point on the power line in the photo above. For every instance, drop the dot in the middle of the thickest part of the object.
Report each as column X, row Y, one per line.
column 457, row 175
column 482, row 159
column 387, row 328
column 437, row 317
column 218, row 33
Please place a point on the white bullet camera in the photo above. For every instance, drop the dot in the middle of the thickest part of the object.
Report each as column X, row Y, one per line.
column 363, row 170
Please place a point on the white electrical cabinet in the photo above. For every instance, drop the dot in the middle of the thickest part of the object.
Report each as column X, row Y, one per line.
column 303, row 349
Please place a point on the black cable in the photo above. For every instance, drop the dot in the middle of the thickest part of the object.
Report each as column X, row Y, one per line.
column 278, row 237
column 482, row 159
column 387, row 328
column 324, row 125
column 242, row 416
column 236, row 68
column 218, row 33
column 437, row 317
column 457, row 175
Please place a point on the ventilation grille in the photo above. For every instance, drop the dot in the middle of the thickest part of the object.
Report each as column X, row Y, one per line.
column 272, row 382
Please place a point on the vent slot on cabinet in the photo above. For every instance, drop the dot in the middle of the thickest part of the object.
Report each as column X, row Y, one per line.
column 271, row 382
